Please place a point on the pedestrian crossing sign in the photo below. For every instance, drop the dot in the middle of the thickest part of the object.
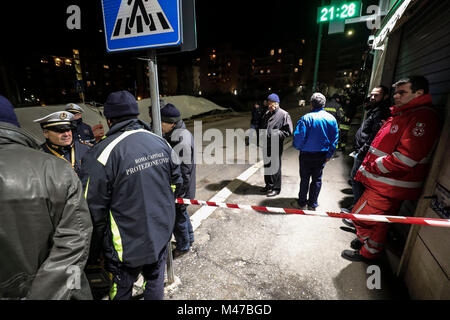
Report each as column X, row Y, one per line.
column 140, row 24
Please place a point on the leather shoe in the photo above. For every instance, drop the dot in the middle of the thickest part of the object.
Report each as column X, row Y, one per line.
column 355, row 256
column 348, row 223
column 311, row 208
column 356, row 244
column 273, row 193
column 178, row 253
column 266, row 189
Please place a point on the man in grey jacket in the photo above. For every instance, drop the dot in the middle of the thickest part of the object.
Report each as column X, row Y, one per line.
column 181, row 140
column 278, row 126
column 45, row 225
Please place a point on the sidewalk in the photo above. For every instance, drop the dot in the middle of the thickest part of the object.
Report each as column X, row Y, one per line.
column 242, row 254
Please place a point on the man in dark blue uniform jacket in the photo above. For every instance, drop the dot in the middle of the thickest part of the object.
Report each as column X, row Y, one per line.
column 81, row 130
column 127, row 178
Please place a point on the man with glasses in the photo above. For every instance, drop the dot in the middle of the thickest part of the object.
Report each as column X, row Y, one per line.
column 57, row 129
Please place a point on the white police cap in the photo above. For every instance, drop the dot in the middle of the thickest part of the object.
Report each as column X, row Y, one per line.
column 59, row 118
column 73, row 108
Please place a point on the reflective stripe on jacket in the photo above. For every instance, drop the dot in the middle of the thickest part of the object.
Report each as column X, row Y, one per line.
column 398, row 159
column 127, row 178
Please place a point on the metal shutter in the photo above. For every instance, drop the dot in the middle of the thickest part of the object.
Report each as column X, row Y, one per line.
column 425, row 49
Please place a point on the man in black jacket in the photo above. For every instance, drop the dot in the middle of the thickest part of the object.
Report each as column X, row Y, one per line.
column 377, row 112
column 127, row 178
column 278, row 126
column 45, row 226
column 181, row 140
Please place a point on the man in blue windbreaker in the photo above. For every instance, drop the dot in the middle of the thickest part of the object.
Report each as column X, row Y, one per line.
column 128, row 178
column 316, row 137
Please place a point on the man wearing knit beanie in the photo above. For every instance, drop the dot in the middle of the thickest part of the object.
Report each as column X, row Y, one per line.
column 181, row 140
column 128, row 178
column 316, row 137
column 170, row 115
column 278, row 126
column 120, row 105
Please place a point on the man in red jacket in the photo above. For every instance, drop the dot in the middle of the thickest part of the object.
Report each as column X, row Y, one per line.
column 396, row 165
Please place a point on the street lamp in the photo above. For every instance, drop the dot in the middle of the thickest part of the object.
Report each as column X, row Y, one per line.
column 350, row 33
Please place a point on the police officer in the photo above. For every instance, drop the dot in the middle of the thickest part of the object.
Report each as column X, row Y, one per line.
column 57, row 129
column 127, row 178
column 82, row 131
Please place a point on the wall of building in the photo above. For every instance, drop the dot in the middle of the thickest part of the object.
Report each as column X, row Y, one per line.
column 419, row 45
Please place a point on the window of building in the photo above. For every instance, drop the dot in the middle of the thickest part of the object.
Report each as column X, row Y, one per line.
column 272, row 52
column 58, row 62
column 295, row 69
column 300, row 62
column 280, row 51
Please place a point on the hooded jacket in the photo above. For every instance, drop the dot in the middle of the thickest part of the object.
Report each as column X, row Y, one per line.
column 398, row 159
column 45, row 226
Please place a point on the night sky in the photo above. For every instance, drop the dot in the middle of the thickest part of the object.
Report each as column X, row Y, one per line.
column 35, row 26
column 254, row 23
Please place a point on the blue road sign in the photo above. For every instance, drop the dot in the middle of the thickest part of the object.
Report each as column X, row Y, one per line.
column 140, row 24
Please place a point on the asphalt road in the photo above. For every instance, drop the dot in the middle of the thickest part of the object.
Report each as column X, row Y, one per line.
column 249, row 255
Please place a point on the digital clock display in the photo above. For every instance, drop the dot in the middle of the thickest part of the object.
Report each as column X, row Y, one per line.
column 345, row 10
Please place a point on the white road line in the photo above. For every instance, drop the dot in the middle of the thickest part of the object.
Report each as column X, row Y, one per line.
column 204, row 212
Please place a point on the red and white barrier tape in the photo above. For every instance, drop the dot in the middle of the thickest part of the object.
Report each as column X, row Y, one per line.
column 377, row 218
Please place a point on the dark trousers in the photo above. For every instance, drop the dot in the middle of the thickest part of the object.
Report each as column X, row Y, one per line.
column 357, row 187
column 183, row 232
column 124, row 278
column 311, row 168
column 272, row 166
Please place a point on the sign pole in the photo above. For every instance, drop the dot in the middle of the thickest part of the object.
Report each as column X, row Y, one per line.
column 156, row 125
column 154, row 92
column 316, row 65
